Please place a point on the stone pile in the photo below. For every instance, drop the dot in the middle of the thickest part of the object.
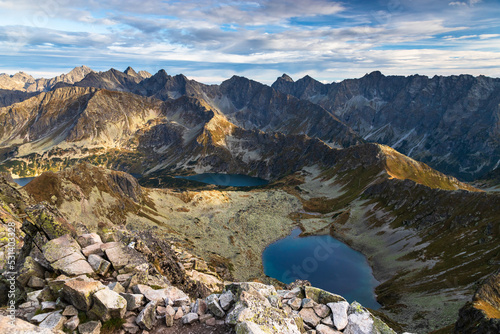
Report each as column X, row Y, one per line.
column 99, row 284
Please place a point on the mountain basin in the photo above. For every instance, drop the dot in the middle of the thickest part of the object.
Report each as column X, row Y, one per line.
column 326, row 262
column 22, row 181
column 232, row 180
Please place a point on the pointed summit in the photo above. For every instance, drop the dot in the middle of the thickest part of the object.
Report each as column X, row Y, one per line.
column 286, row 78
column 130, row 71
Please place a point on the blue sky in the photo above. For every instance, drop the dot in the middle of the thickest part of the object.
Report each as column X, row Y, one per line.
column 212, row 40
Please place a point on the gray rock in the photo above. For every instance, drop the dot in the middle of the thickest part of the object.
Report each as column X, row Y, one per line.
column 214, row 306
column 89, row 239
column 200, row 307
column 93, row 249
column 116, row 287
column 134, row 300
column 30, row 268
column 324, row 329
column 36, row 282
column 203, row 318
column 181, row 301
column 309, row 316
column 170, row 292
column 33, row 296
column 70, row 311
column 296, row 292
column 108, row 304
column 99, row 265
column 39, row 317
column 339, row 314
column 321, row 310
column 73, row 265
column 306, row 302
column 59, row 248
column 91, row 327
column 79, row 293
column 361, row 321
column 328, row 321
column 72, row 323
column 54, row 321
column 147, row 317
column 321, row 296
column 169, row 320
column 189, row 318
column 48, row 306
column 295, row 303
column 226, row 300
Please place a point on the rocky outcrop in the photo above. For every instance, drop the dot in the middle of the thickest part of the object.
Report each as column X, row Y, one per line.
column 246, row 307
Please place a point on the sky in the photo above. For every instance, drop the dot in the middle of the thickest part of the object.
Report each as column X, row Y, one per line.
column 210, row 41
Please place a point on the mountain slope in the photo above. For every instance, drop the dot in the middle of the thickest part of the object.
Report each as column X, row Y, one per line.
column 451, row 123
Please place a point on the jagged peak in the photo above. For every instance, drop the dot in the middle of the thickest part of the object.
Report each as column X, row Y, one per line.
column 286, row 77
column 374, row 74
column 130, row 71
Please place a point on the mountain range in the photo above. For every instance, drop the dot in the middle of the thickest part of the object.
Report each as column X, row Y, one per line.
column 334, row 155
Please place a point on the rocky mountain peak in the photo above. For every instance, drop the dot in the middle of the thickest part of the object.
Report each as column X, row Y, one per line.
column 286, row 77
column 130, row 71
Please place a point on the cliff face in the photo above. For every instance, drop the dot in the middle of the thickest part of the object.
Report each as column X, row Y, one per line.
column 451, row 123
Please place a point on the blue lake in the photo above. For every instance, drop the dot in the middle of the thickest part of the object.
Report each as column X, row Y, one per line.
column 23, row 181
column 233, row 180
column 326, row 262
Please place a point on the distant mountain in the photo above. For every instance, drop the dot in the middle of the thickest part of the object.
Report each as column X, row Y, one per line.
column 451, row 123
column 113, row 80
column 26, row 83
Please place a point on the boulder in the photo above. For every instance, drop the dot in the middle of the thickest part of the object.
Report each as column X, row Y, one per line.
column 91, row 327
column 169, row 320
column 39, row 318
column 321, row 310
column 79, row 292
column 134, row 300
column 89, row 239
column 361, row 321
column 36, row 282
column 73, row 265
column 170, row 292
column 322, row 296
column 309, row 316
column 307, row 303
column 214, row 306
column 99, row 265
column 124, row 258
column 200, row 307
column 339, row 314
column 48, row 306
column 93, row 249
column 72, row 323
column 147, row 317
column 116, row 287
column 226, row 300
column 108, row 304
column 54, row 321
column 61, row 247
column 70, row 311
column 295, row 303
column 21, row 326
column 189, row 318
column 29, row 269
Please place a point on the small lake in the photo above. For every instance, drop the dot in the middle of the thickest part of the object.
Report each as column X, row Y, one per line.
column 233, row 180
column 326, row 262
column 23, row 181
